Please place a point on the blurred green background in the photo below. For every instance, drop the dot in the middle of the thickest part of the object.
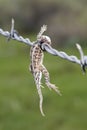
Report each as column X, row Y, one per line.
column 66, row 19
column 19, row 102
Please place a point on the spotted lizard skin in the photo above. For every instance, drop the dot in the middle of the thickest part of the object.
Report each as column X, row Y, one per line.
column 38, row 69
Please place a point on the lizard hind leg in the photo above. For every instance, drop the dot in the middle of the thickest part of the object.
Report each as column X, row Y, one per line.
column 52, row 86
column 47, row 80
column 37, row 78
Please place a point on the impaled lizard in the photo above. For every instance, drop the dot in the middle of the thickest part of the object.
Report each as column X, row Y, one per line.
column 37, row 68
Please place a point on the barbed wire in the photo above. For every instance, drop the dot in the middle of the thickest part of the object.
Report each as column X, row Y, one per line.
column 13, row 34
column 61, row 54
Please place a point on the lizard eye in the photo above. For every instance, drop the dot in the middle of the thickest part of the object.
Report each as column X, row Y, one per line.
column 42, row 41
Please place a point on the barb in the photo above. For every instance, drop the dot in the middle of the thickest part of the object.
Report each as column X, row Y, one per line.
column 13, row 35
column 83, row 60
column 12, row 30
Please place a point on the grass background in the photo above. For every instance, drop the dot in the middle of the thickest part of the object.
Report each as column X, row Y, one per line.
column 19, row 102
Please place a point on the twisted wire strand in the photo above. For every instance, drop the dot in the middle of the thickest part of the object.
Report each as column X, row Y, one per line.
column 14, row 35
column 61, row 54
